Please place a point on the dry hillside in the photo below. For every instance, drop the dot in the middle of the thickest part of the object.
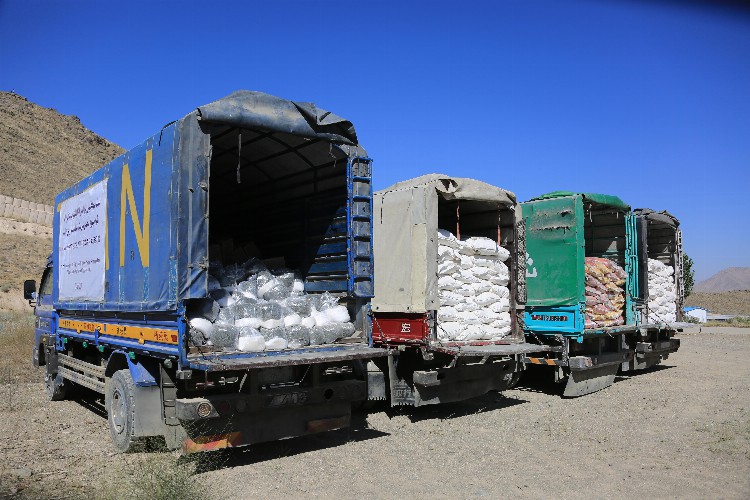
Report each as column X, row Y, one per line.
column 42, row 152
column 722, row 303
column 731, row 278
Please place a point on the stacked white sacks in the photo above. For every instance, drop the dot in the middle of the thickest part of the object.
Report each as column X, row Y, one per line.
column 662, row 293
column 473, row 289
column 605, row 295
column 261, row 309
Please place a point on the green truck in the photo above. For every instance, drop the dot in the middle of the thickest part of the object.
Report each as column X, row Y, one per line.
column 571, row 239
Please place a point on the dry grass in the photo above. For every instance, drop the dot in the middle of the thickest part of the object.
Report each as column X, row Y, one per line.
column 158, row 476
column 734, row 322
column 722, row 303
column 16, row 341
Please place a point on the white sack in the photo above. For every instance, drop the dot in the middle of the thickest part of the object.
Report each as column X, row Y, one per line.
column 338, row 314
column 203, row 325
column 276, row 344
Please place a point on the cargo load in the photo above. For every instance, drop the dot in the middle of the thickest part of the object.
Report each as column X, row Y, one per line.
column 662, row 293
column 661, row 251
column 605, row 293
column 473, row 281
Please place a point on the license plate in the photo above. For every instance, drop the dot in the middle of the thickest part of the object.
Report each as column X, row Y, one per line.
column 288, row 399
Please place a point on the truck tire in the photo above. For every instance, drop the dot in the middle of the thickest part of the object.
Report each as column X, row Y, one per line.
column 119, row 400
column 514, row 379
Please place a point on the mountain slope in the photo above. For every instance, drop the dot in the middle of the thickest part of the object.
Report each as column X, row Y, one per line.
column 42, row 151
column 730, row 279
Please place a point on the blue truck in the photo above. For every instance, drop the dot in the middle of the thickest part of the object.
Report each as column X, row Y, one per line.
column 245, row 183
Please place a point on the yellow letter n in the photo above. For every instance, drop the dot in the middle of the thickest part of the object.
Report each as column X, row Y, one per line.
column 141, row 233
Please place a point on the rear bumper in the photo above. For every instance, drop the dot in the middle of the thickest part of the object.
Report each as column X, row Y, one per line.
column 582, row 363
column 651, row 349
column 228, row 406
column 459, row 383
column 231, row 420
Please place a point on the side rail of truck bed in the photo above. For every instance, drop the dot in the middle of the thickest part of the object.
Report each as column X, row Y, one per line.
column 323, row 354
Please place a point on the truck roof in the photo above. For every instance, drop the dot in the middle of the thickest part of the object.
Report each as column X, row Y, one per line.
column 601, row 199
column 456, row 188
column 663, row 216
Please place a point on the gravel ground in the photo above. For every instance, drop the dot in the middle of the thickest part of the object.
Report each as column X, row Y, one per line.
column 680, row 430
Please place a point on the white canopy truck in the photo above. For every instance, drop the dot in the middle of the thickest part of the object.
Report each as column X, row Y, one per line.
column 449, row 290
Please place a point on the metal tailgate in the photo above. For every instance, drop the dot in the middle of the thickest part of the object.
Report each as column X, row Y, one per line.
column 245, row 361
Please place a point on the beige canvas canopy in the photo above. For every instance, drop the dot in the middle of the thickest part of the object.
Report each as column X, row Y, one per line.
column 405, row 218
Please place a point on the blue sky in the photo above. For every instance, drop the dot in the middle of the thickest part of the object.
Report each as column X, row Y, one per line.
column 646, row 100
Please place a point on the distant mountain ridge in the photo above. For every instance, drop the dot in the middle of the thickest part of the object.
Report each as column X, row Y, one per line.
column 43, row 152
column 728, row 280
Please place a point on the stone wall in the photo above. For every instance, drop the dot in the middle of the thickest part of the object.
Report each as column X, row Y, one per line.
column 25, row 211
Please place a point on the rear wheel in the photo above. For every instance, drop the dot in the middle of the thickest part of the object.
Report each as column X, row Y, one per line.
column 119, row 399
column 514, row 379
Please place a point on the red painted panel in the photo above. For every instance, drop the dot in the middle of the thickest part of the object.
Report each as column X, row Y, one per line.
column 399, row 328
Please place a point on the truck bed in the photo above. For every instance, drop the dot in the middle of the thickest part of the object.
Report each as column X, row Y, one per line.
column 307, row 356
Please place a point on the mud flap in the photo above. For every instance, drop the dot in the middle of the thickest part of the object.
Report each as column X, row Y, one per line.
column 586, row 381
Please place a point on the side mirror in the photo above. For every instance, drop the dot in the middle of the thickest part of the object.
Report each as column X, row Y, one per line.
column 29, row 290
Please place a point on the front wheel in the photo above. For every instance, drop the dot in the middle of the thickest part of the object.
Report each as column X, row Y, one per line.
column 119, row 399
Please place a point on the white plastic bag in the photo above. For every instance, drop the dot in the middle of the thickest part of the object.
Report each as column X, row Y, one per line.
column 276, row 344
column 320, row 318
column 248, row 322
column 250, row 340
column 338, row 314
column 202, row 325
column 292, row 320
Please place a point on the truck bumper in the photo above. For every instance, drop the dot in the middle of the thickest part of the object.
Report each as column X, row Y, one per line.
column 230, row 420
column 450, row 384
column 648, row 354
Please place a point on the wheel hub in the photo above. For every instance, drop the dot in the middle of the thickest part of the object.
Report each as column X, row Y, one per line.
column 118, row 411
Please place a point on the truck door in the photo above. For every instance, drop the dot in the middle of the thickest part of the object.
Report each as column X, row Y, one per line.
column 634, row 247
column 678, row 269
column 554, row 246
column 46, row 318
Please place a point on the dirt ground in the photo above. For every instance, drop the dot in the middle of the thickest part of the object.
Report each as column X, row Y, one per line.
column 680, row 430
